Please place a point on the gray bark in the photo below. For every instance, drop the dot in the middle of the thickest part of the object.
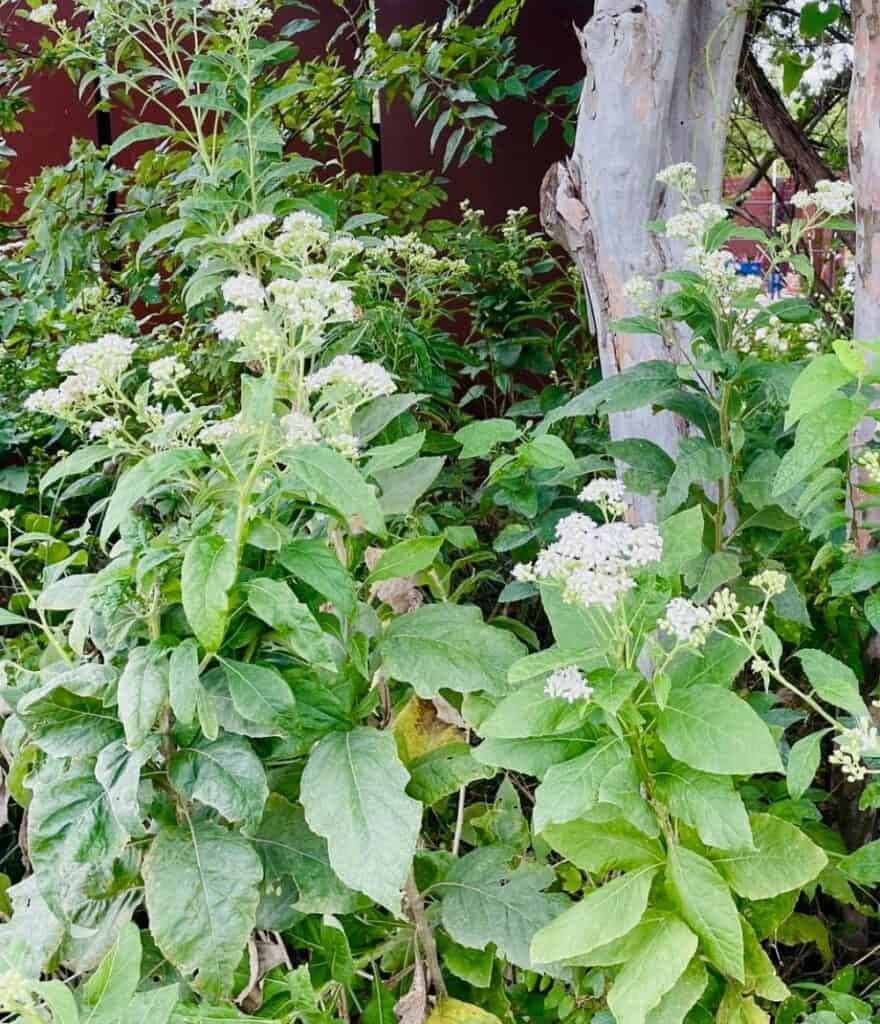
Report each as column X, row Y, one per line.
column 659, row 87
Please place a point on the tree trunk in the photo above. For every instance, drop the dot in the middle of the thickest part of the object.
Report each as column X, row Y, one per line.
column 864, row 168
column 658, row 90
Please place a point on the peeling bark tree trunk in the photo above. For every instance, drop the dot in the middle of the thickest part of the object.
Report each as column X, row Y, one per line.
column 658, row 90
column 864, row 167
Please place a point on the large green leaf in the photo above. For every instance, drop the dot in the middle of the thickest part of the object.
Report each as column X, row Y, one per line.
column 118, row 769
column 443, row 771
column 183, row 680
column 600, row 917
column 333, row 481
column 783, row 859
column 288, row 847
column 681, row 998
column 210, row 568
column 64, row 725
column 107, row 995
column 486, row 901
column 708, row 803
column 715, row 731
column 314, row 563
column 201, row 884
column 803, row 763
column 72, row 831
column 77, row 462
column 834, row 682
column 260, row 694
column 823, row 376
column 605, row 844
column 224, row 774
column 406, row 558
column 535, row 755
column 277, row 605
column 137, row 482
column 447, row 646
column 570, row 789
column 704, row 901
column 652, row 971
column 31, row 939
column 143, row 689
column 353, row 792
column 821, row 434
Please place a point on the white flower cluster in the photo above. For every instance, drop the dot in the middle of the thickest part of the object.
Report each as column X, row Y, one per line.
column 166, row 373
column 45, row 14
column 217, row 434
column 593, row 562
column 93, row 367
column 229, row 325
column 771, row 581
column 691, row 225
column 302, row 233
column 251, row 8
column 569, row 684
column 251, row 229
column 681, row 177
column 106, row 427
column 300, row 429
column 416, row 256
column 830, row 198
column 853, row 745
column 314, row 300
column 869, row 461
column 640, row 292
column 352, row 372
column 687, row 622
column 244, row 290
column 608, row 494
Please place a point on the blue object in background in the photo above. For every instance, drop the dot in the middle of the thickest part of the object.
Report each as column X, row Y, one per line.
column 774, row 283
column 749, row 268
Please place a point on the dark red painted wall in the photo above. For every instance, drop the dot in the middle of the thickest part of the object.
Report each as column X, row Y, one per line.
column 545, row 39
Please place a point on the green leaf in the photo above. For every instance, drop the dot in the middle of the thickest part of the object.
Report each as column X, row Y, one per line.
column 210, row 568
column 705, row 903
column 183, row 680
column 682, row 535
column 201, row 885
column 823, row 376
column 334, row 482
column 529, row 711
column 449, row 646
column 8, row 618
column 108, row 993
column 833, row 681
column 74, row 464
column 803, row 763
column 708, row 803
column 600, row 917
column 485, row 901
column 289, row 848
column 139, row 133
column 681, row 998
column 277, row 605
column 372, row 418
column 118, row 769
column 783, row 859
column 64, row 725
column 636, row 325
column 314, row 563
column 72, row 832
column 819, row 437
column 697, row 461
column 815, row 17
column 353, row 792
column 139, row 481
column 260, row 694
column 715, row 731
column 30, row 941
column 602, row 845
column 478, row 439
column 438, row 773
column 761, row 977
column 454, row 1011
column 59, row 998
column 143, row 689
column 224, row 774
column 652, row 971
column 858, row 575
column 404, row 486
column 390, row 456
column 572, row 788
column 406, row 558
column 863, row 866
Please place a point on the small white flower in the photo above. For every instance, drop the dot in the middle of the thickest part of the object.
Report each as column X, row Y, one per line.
column 831, row 198
column 352, row 372
column 568, row 684
column 300, row 429
column 686, row 621
column 243, row 290
column 640, row 292
column 250, row 229
column 682, row 177
column 346, row 444
column 771, row 582
column 219, row 433
column 103, row 428
column 107, row 358
column 608, row 494
column 166, row 373
column 45, row 14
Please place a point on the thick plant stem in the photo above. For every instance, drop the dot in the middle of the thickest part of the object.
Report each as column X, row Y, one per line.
column 424, row 934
